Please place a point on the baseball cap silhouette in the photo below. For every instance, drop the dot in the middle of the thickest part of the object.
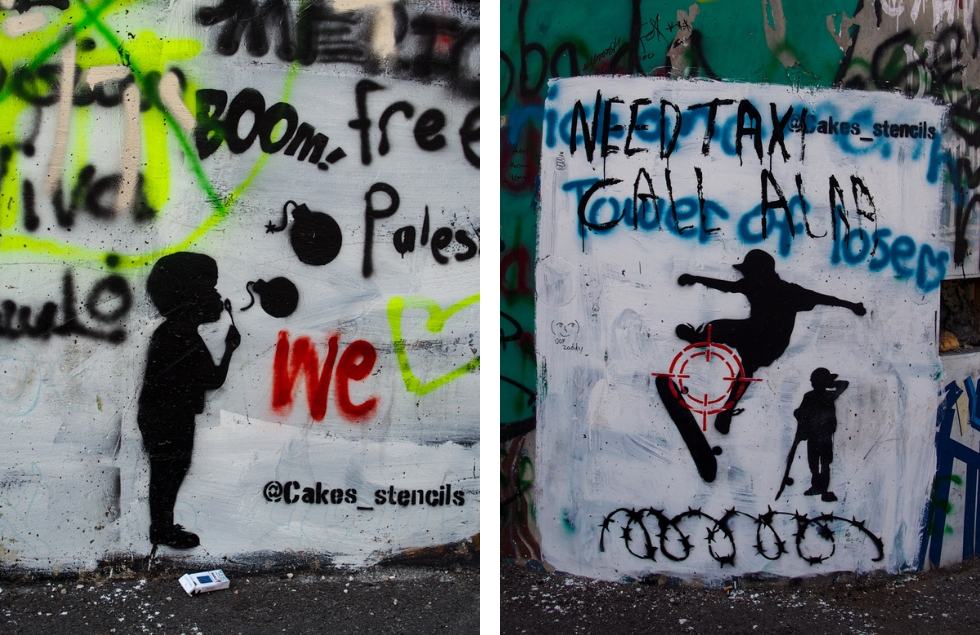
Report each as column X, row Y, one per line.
column 822, row 377
column 756, row 261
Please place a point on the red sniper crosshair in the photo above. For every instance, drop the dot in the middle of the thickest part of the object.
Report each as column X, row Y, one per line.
column 704, row 375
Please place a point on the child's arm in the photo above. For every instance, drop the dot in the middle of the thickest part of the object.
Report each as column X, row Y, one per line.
column 232, row 341
column 214, row 376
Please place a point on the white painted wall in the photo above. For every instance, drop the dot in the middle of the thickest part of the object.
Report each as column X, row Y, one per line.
column 609, row 302
column 73, row 472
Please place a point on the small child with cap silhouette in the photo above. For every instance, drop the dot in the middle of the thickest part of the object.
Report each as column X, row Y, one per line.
column 179, row 373
column 816, row 423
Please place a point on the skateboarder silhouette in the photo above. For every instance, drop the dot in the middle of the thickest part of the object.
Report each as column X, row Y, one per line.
column 179, row 373
column 759, row 340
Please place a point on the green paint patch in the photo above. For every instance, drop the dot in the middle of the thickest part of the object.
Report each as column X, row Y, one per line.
column 566, row 522
column 525, row 473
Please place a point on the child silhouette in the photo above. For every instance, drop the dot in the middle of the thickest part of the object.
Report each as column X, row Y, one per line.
column 179, row 372
column 816, row 424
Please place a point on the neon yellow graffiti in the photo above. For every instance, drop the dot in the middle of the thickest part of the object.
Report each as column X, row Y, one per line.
column 435, row 324
column 149, row 52
column 142, row 54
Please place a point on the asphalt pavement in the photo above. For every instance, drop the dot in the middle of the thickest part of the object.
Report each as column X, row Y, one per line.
column 381, row 599
column 940, row 602
column 446, row 599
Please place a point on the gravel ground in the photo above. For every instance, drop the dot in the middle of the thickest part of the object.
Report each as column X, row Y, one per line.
column 374, row 600
column 938, row 603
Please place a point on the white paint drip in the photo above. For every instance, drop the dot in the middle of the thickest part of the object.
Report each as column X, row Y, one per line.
column 130, row 150
column 60, row 147
column 171, row 98
column 383, row 32
column 98, row 74
column 944, row 12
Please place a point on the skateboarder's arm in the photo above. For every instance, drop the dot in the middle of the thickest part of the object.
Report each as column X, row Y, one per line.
column 728, row 286
column 813, row 299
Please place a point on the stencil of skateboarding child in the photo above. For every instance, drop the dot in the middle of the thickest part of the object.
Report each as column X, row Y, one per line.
column 816, row 423
column 759, row 341
column 179, row 373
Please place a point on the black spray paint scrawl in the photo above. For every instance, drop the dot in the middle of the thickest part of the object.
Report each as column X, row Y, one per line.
column 816, row 423
column 759, row 340
column 179, row 372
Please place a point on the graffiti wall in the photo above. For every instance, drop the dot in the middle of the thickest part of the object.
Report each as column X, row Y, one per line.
column 239, row 251
column 950, row 533
column 742, row 349
column 768, row 42
column 917, row 49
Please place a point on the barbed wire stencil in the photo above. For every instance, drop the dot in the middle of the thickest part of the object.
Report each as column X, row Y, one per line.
column 769, row 542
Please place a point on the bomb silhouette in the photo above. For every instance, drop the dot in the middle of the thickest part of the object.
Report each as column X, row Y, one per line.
column 315, row 237
column 277, row 297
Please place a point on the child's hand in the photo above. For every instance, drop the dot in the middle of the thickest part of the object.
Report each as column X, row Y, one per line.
column 234, row 338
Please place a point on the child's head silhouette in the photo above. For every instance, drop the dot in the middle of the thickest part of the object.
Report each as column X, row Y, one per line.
column 822, row 378
column 182, row 286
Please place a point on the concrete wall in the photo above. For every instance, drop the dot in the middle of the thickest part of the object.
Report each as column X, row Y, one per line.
column 609, row 469
column 325, row 156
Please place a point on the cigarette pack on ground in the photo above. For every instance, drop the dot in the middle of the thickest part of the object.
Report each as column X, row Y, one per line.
column 204, row 581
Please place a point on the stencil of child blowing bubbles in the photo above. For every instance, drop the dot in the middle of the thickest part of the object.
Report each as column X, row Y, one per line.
column 179, row 372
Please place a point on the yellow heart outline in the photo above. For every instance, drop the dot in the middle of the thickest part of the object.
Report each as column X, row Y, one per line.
column 435, row 323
